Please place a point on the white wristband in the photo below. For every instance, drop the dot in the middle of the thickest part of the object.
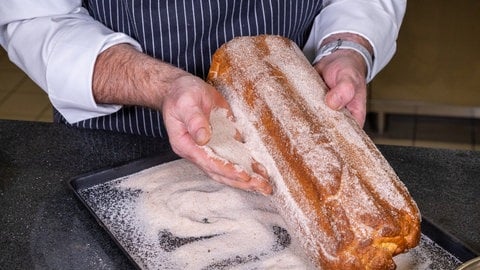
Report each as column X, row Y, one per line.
column 331, row 47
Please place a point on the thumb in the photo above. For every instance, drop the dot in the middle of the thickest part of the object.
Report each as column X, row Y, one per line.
column 334, row 100
column 341, row 94
column 198, row 127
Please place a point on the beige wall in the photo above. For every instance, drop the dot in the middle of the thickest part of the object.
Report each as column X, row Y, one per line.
column 438, row 55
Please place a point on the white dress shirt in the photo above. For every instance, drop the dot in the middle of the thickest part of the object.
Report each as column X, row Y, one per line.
column 56, row 43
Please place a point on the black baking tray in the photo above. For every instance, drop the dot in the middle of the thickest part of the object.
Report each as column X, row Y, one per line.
column 442, row 238
column 101, row 176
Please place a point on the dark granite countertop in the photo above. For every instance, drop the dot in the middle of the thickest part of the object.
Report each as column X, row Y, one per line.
column 44, row 226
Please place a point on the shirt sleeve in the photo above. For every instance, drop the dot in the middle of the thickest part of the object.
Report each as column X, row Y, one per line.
column 378, row 21
column 56, row 43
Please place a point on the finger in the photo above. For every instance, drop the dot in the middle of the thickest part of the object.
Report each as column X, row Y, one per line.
column 259, row 169
column 358, row 114
column 358, row 107
column 212, row 164
column 198, row 126
column 231, row 174
column 255, row 184
column 238, row 136
column 359, row 118
column 340, row 95
column 241, row 179
column 263, row 185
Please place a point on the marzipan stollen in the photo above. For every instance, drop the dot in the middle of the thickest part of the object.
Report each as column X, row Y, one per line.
column 340, row 197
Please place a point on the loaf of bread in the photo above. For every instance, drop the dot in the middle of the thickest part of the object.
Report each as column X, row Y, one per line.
column 341, row 199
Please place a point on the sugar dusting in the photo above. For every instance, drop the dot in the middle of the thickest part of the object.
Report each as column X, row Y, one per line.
column 223, row 145
column 427, row 255
column 313, row 93
column 175, row 217
column 172, row 216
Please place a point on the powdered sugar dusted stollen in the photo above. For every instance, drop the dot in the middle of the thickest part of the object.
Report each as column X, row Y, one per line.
column 340, row 197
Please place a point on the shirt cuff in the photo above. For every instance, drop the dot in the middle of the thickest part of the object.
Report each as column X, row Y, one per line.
column 70, row 68
column 378, row 24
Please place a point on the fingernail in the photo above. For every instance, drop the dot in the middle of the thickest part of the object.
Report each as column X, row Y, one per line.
column 266, row 190
column 334, row 101
column 263, row 187
column 244, row 178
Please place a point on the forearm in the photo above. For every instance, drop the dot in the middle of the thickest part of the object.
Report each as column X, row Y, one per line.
column 123, row 75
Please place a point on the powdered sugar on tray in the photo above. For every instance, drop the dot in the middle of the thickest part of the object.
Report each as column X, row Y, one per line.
column 173, row 216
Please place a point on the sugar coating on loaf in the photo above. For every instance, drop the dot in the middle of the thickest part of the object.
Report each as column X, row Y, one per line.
column 341, row 198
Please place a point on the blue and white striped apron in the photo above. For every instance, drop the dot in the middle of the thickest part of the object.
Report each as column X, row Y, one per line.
column 186, row 33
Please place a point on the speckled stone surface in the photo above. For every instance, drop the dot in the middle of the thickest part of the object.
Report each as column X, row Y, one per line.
column 446, row 186
column 43, row 225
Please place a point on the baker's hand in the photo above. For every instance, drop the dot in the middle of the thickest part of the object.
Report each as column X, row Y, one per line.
column 185, row 101
column 186, row 112
column 344, row 72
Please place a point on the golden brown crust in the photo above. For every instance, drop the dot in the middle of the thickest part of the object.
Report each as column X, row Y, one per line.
column 341, row 198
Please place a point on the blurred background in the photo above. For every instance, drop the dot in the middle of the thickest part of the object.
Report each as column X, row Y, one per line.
column 428, row 96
